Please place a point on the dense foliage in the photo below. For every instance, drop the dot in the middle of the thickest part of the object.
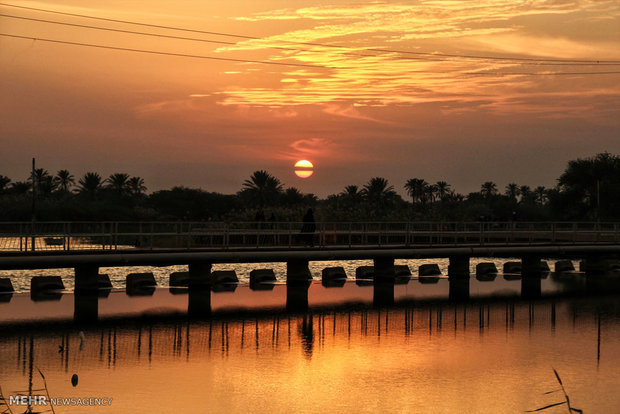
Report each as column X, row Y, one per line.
column 589, row 189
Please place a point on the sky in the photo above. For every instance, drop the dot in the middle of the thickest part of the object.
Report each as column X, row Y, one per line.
column 459, row 91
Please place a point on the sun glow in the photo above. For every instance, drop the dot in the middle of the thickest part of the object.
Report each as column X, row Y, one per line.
column 304, row 168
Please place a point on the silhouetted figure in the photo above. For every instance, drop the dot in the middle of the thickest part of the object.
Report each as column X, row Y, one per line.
column 308, row 228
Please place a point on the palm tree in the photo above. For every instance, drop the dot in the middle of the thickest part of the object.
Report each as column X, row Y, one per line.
column 512, row 191
column 443, row 189
column 488, row 189
column 540, row 195
column 136, row 186
column 416, row 189
column 432, row 192
column 378, row 192
column 262, row 188
column 90, row 184
column 4, row 182
column 43, row 181
column 118, row 182
column 526, row 192
column 20, row 187
column 64, row 180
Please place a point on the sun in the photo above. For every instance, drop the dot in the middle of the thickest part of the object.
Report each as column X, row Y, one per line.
column 304, row 169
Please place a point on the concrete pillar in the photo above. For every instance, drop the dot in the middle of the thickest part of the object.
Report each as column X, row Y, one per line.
column 531, row 266
column 458, row 267
column 199, row 275
column 297, row 296
column 86, row 278
column 530, row 287
column 85, row 307
column 297, row 271
column 384, row 268
column 199, row 302
column 594, row 265
column 383, row 293
column 459, row 289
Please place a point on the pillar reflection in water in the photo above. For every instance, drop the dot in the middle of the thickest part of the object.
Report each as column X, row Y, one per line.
column 459, row 289
column 85, row 307
column 383, row 293
column 297, row 296
column 199, row 301
column 530, row 287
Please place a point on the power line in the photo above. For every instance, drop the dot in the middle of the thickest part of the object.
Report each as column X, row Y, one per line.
column 381, row 50
column 154, row 52
column 222, row 42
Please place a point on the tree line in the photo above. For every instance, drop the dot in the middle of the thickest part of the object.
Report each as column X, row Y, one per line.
column 588, row 189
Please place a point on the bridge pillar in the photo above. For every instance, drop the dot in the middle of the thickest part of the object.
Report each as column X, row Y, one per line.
column 85, row 307
column 531, row 266
column 459, row 289
column 459, row 268
column 199, row 275
column 531, row 287
column 383, row 292
column 199, row 302
column 297, row 271
column 86, row 278
column 594, row 265
column 297, row 296
column 384, row 269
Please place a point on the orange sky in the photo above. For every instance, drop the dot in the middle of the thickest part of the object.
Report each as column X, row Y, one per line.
column 354, row 106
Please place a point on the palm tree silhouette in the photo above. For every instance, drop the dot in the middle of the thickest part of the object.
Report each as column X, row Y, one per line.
column 378, row 192
column 488, row 189
column 90, row 184
column 64, row 180
column 443, row 189
column 118, row 182
column 136, row 186
column 416, row 189
column 512, row 191
column 262, row 188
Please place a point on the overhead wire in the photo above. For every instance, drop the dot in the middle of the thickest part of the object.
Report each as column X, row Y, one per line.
column 186, row 55
column 381, row 50
column 222, row 42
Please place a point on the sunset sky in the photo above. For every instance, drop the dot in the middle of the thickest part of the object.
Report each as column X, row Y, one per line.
column 461, row 91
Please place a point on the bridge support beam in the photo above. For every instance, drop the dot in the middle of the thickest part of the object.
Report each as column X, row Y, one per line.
column 383, row 292
column 85, row 306
column 297, row 271
column 199, row 302
column 459, row 268
column 595, row 265
column 531, row 266
column 297, row 296
column 459, row 289
column 199, row 275
column 384, row 269
column 531, row 287
column 86, row 278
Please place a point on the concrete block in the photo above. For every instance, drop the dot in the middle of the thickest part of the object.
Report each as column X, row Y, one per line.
column 262, row 275
column 429, row 270
column 486, row 268
column 564, row 266
column 220, row 277
column 42, row 283
column 332, row 273
column 137, row 281
column 103, row 281
column 512, row 267
column 179, row 279
column 6, row 285
column 365, row 272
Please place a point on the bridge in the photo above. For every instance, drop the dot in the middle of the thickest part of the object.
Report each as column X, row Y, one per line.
column 86, row 246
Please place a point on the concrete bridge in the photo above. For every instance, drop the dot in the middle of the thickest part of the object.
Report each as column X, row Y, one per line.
column 87, row 246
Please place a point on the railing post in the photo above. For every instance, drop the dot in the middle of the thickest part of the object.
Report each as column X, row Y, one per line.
column 152, row 231
column 68, row 236
column 350, row 234
column 553, row 233
column 290, row 234
column 574, row 233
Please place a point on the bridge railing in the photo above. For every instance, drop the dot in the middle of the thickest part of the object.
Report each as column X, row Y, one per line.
column 46, row 236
